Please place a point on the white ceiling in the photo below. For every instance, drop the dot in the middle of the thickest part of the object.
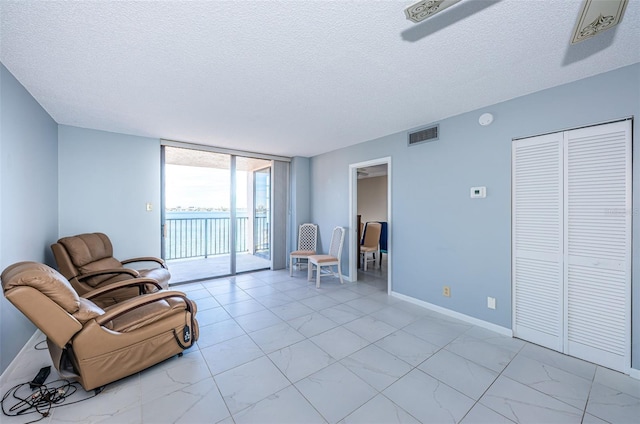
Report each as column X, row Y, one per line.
column 293, row 78
column 372, row 171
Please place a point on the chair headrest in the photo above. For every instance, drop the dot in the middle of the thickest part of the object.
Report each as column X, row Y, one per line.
column 86, row 248
column 44, row 279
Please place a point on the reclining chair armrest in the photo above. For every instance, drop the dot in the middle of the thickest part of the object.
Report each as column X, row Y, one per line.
column 146, row 259
column 131, row 272
column 140, row 282
column 136, row 302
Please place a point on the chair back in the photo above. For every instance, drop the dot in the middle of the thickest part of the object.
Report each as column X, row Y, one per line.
column 47, row 299
column 372, row 232
column 308, row 237
column 84, row 253
column 337, row 239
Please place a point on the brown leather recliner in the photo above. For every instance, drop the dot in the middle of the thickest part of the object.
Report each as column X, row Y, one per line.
column 87, row 261
column 97, row 346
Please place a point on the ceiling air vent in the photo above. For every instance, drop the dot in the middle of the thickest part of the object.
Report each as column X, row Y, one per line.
column 423, row 135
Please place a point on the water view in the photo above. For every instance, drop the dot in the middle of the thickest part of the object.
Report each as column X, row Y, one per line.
column 192, row 234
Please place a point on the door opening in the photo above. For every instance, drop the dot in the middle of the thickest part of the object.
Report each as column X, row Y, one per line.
column 370, row 201
column 216, row 215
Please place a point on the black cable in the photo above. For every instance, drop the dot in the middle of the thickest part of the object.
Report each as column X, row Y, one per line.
column 187, row 332
column 38, row 347
column 41, row 400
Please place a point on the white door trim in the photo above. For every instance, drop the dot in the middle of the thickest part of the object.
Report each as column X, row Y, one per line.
column 353, row 209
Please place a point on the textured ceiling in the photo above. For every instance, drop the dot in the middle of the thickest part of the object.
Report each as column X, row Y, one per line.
column 293, row 78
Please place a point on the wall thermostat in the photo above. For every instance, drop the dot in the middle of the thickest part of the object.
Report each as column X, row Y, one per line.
column 478, row 192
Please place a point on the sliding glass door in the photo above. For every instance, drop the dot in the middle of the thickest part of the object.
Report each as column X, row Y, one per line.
column 211, row 213
column 254, row 213
column 262, row 212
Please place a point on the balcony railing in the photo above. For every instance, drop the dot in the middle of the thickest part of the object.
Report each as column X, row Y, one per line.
column 203, row 237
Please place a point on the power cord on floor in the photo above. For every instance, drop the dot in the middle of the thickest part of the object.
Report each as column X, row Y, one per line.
column 42, row 399
column 41, row 345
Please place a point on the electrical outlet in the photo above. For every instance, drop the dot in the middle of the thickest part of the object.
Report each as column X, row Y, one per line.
column 446, row 291
column 491, row 302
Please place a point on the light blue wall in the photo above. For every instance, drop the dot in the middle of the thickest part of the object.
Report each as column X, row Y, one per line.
column 106, row 179
column 442, row 237
column 28, row 197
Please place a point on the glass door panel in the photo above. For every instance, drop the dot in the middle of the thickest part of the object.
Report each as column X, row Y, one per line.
column 253, row 214
column 197, row 214
column 262, row 212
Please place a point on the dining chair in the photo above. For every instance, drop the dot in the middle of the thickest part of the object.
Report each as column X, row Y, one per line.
column 370, row 248
column 307, row 242
column 329, row 260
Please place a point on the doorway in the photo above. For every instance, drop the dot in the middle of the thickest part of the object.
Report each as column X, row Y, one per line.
column 370, row 199
column 216, row 213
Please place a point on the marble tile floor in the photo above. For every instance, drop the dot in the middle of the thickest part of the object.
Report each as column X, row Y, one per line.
column 274, row 349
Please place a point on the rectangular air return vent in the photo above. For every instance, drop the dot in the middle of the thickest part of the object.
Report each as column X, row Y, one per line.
column 423, row 135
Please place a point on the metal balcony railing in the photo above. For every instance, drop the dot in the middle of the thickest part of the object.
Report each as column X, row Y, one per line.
column 203, row 237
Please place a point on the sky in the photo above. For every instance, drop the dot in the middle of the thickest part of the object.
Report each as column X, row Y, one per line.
column 201, row 187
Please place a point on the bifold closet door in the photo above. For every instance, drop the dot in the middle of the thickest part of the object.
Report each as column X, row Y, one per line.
column 571, row 259
column 598, row 244
column 537, row 217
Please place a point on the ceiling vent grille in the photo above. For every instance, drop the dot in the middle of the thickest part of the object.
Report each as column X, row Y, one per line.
column 424, row 135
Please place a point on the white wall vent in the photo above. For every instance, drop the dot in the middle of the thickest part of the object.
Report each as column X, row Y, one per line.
column 423, row 135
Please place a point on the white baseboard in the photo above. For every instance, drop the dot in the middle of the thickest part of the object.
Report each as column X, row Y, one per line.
column 471, row 320
column 633, row 373
column 7, row 372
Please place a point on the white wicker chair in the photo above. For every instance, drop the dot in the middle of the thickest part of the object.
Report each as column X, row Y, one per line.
column 307, row 242
column 333, row 258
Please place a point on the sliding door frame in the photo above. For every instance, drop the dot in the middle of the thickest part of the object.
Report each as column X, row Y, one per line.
column 276, row 193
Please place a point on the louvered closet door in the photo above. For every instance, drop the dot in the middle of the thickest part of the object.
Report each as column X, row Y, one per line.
column 537, row 216
column 598, row 244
